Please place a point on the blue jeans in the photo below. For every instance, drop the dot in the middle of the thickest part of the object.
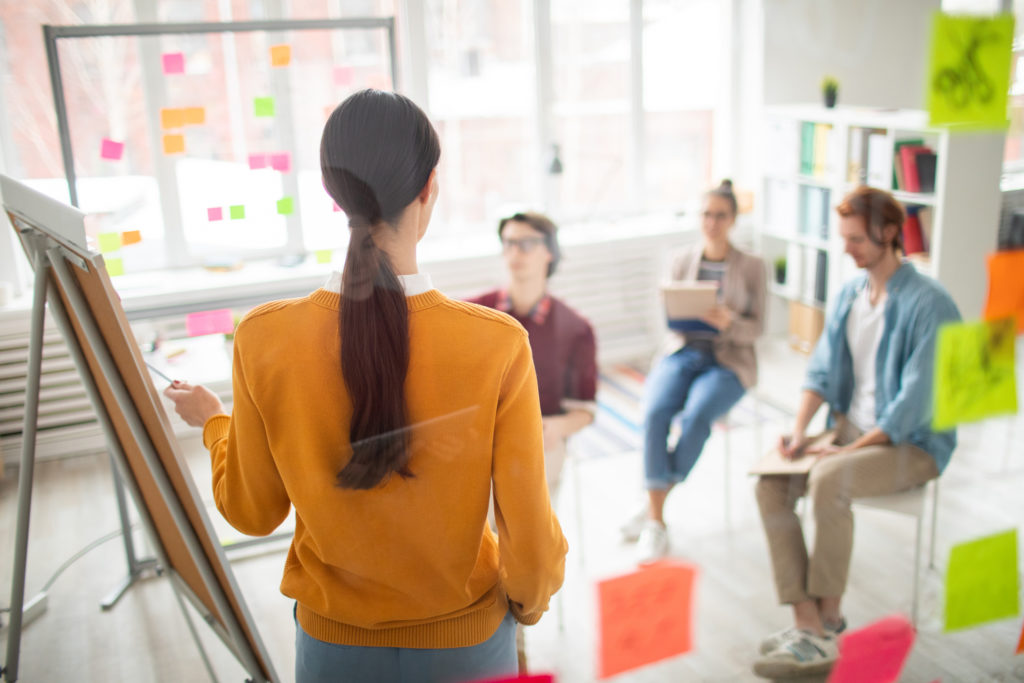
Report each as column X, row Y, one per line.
column 320, row 662
column 692, row 382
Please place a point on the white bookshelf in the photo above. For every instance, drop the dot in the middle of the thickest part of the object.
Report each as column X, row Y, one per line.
column 964, row 206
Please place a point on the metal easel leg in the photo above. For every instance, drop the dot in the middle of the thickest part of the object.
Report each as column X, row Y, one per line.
column 25, row 474
column 135, row 566
column 195, row 634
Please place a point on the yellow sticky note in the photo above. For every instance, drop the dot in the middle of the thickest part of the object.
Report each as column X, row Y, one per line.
column 131, row 237
column 974, row 372
column 115, row 266
column 324, row 255
column 981, row 581
column 194, row 116
column 280, row 55
column 969, row 70
column 172, row 118
column 109, row 241
column 174, row 144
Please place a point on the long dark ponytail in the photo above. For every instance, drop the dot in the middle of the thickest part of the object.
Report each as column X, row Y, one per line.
column 376, row 155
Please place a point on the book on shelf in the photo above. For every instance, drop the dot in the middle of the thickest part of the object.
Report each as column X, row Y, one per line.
column 806, row 148
column 821, row 276
column 913, row 236
column 879, row 160
column 926, row 163
column 899, row 182
column 858, row 158
column 924, row 216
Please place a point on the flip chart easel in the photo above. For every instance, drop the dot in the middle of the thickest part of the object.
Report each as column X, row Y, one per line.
column 73, row 283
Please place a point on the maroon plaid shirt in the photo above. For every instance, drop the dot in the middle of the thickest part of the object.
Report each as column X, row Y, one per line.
column 564, row 350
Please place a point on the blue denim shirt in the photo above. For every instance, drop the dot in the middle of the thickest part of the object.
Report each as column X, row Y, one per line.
column 915, row 307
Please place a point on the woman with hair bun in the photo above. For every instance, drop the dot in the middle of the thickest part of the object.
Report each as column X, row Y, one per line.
column 383, row 412
column 703, row 372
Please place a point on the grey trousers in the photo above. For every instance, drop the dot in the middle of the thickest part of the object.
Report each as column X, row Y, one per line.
column 832, row 484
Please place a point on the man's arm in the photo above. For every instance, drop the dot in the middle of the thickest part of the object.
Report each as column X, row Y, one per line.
column 792, row 445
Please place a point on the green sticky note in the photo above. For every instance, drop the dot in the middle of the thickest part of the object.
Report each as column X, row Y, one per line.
column 981, row 581
column 115, row 266
column 969, row 70
column 285, row 206
column 237, row 211
column 974, row 372
column 324, row 255
column 109, row 241
column 263, row 106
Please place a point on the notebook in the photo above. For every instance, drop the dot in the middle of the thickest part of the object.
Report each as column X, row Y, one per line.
column 686, row 302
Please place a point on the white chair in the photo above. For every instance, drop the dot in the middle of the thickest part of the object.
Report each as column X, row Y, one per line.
column 912, row 503
column 726, row 424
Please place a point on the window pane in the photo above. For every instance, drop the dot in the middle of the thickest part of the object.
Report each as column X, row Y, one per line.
column 482, row 100
column 590, row 45
column 679, row 103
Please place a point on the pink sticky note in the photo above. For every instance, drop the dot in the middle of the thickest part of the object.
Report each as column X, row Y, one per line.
column 215, row 213
column 257, row 161
column 535, row 678
column 111, row 150
column 209, row 322
column 335, row 207
column 344, row 75
column 282, row 161
column 875, row 653
column 174, row 63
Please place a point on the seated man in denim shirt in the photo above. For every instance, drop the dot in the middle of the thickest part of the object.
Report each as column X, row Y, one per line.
column 873, row 366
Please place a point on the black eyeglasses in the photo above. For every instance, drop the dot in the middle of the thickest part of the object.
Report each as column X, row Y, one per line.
column 525, row 244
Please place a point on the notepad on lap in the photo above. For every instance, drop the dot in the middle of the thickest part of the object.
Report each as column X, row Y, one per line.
column 774, row 463
column 686, row 302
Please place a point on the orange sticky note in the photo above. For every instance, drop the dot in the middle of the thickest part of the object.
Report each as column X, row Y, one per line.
column 280, row 55
column 1020, row 643
column 1006, row 286
column 172, row 118
column 131, row 237
column 875, row 653
column 174, row 144
column 645, row 616
column 194, row 116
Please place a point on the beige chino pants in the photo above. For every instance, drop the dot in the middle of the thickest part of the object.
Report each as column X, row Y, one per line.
column 832, row 484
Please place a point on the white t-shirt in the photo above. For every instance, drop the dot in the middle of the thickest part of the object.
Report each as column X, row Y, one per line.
column 864, row 328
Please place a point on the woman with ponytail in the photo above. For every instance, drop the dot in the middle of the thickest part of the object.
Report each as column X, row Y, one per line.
column 703, row 373
column 385, row 413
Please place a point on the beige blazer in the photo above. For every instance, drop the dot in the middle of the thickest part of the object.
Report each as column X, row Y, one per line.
column 743, row 292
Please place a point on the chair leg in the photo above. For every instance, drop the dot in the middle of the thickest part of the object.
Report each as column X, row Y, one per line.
column 917, row 573
column 577, row 500
column 728, row 482
column 935, row 520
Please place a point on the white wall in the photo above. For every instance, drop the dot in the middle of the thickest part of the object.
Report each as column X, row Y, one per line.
column 876, row 49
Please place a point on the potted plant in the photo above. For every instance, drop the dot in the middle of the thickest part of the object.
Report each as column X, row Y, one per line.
column 830, row 91
column 780, row 270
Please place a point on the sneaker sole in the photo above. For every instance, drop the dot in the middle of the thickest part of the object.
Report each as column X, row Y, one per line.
column 790, row 669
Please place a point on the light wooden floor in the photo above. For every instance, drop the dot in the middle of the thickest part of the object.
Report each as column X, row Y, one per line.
column 144, row 638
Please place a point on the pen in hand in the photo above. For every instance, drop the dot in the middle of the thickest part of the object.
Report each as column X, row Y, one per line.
column 169, row 380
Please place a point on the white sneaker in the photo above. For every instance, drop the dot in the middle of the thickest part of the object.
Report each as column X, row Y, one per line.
column 652, row 545
column 776, row 639
column 805, row 654
column 632, row 527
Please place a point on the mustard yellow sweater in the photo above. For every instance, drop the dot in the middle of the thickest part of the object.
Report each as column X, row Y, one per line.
column 412, row 562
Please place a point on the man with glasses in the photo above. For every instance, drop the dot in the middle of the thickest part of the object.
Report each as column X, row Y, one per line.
column 564, row 351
